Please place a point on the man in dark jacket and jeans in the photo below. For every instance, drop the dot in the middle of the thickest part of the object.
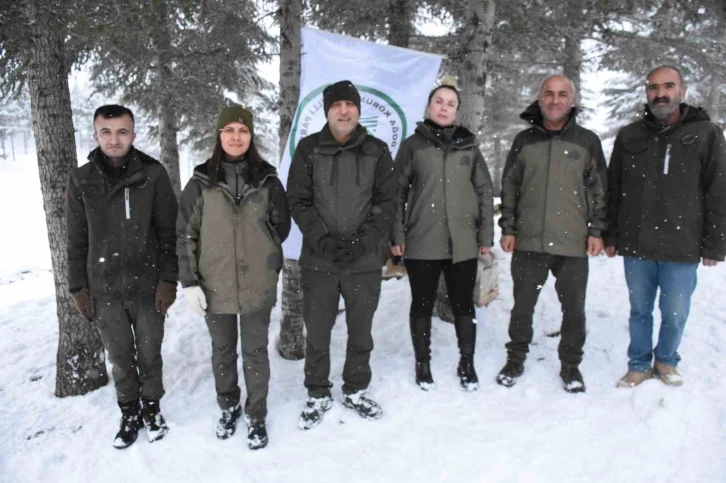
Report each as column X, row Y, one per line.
column 342, row 195
column 667, row 213
column 554, row 211
column 122, row 264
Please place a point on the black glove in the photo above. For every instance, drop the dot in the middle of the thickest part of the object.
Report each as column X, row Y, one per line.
column 327, row 246
column 349, row 249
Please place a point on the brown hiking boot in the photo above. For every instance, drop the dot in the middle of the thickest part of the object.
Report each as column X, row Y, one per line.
column 668, row 374
column 633, row 378
column 394, row 271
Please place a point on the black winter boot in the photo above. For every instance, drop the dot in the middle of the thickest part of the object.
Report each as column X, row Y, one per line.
column 466, row 335
column 509, row 374
column 156, row 427
column 421, row 337
column 256, row 433
column 572, row 378
column 227, row 424
column 131, row 423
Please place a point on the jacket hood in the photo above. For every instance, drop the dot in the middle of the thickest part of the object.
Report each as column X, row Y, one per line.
column 136, row 160
column 356, row 137
column 688, row 114
column 533, row 115
column 460, row 137
column 97, row 154
column 201, row 171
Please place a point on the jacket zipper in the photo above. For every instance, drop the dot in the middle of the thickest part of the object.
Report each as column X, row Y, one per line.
column 336, row 159
column 446, row 208
column 237, row 171
column 128, row 204
column 547, row 187
column 667, row 160
column 122, row 244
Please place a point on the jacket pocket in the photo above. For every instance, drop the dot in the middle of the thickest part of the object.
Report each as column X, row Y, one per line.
column 92, row 189
column 273, row 233
column 635, row 146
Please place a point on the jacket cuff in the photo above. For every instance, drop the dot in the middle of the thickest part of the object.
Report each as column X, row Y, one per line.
column 485, row 241
column 711, row 255
column 76, row 289
column 168, row 277
column 594, row 232
column 189, row 284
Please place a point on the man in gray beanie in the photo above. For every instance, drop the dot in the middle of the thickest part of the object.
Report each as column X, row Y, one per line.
column 342, row 193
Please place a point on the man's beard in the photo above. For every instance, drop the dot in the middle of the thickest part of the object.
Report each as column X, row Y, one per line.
column 662, row 112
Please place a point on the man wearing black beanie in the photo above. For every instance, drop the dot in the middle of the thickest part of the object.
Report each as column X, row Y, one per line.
column 340, row 91
column 342, row 195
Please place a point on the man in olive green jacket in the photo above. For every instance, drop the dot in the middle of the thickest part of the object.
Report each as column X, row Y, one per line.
column 554, row 210
column 342, row 195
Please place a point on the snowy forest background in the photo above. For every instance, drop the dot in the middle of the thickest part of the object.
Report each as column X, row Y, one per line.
column 177, row 63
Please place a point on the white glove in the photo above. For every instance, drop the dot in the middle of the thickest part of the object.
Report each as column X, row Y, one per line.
column 195, row 299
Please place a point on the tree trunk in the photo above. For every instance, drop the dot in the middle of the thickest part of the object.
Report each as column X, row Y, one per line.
column 289, row 18
column 714, row 98
column 573, row 61
column 400, row 19
column 169, row 147
column 499, row 161
column 12, row 147
column 291, row 342
column 476, row 37
column 80, row 359
column 442, row 307
column 169, row 155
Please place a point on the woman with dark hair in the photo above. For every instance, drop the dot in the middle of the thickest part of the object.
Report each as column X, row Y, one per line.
column 233, row 218
column 444, row 221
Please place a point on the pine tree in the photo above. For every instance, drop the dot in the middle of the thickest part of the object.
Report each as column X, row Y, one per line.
column 178, row 61
column 688, row 34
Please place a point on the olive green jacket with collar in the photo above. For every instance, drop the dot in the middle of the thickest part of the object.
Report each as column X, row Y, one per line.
column 339, row 190
column 668, row 189
column 232, row 247
column 445, row 203
column 554, row 188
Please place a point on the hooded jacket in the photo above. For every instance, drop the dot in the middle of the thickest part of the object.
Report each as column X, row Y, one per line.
column 554, row 188
column 339, row 190
column 229, row 239
column 445, row 202
column 120, row 226
column 668, row 189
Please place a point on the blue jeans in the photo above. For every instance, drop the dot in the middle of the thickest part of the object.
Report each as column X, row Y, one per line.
column 676, row 281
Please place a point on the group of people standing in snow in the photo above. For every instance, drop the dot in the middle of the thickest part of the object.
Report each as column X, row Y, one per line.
column 661, row 204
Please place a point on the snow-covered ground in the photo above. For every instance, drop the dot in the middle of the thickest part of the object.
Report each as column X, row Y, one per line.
column 534, row 432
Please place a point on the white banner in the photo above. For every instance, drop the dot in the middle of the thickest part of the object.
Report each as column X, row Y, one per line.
column 394, row 84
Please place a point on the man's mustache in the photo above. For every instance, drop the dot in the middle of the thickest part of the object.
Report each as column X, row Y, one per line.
column 665, row 99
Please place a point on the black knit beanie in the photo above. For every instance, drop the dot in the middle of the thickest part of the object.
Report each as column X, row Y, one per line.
column 340, row 91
